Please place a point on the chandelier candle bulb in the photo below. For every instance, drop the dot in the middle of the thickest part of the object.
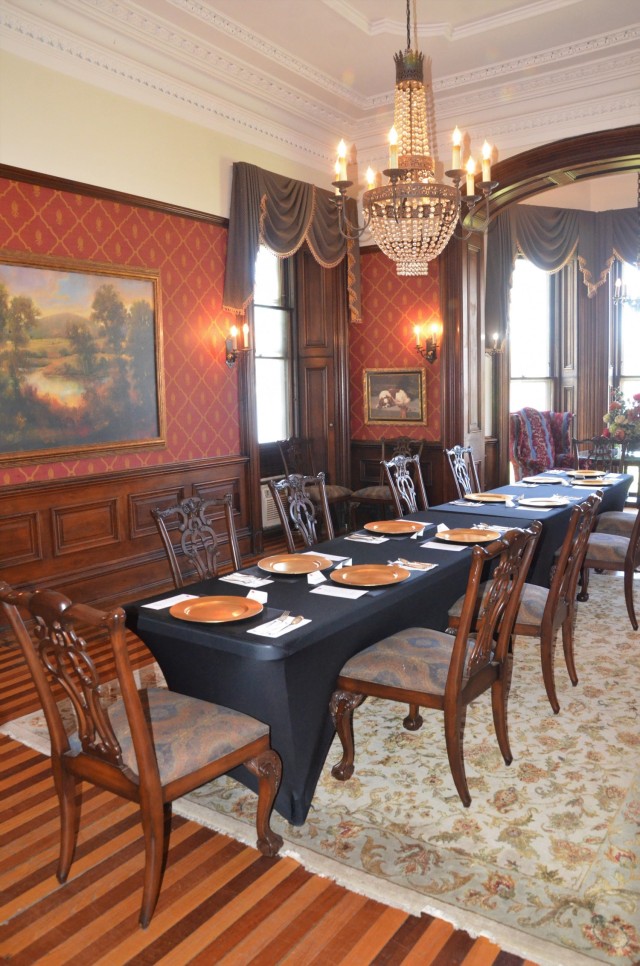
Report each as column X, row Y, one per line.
column 486, row 161
column 371, row 178
column 457, row 141
column 245, row 335
column 393, row 148
column 342, row 161
column 416, row 330
column 233, row 332
column 471, row 170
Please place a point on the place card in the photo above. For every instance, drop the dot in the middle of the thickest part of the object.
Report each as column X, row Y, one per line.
column 317, row 577
column 332, row 591
column 170, row 601
column 260, row 595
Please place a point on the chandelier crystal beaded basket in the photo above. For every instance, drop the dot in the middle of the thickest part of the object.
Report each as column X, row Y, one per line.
column 413, row 217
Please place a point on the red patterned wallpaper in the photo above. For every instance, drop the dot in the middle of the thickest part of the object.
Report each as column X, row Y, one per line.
column 201, row 392
column 391, row 306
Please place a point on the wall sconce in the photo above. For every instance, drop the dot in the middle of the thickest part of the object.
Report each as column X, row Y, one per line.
column 496, row 347
column 232, row 348
column 430, row 351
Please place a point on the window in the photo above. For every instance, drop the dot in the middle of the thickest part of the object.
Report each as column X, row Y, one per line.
column 530, row 338
column 273, row 348
column 628, row 326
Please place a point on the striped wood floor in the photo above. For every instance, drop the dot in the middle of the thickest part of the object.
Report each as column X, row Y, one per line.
column 221, row 902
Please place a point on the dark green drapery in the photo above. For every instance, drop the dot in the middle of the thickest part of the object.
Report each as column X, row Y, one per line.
column 550, row 237
column 282, row 213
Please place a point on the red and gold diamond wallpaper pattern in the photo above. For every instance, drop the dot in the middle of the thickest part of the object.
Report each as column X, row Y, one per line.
column 201, row 392
column 391, row 307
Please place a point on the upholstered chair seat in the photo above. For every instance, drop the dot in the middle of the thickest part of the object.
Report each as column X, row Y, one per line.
column 414, row 659
column 617, row 522
column 609, row 548
column 614, row 551
column 186, row 733
column 532, row 604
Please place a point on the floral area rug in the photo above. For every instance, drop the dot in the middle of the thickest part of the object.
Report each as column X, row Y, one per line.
column 545, row 862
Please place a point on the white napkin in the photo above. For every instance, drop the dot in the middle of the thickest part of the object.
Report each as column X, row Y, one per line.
column 170, row 601
column 332, row 591
column 327, row 556
column 277, row 627
column 413, row 565
column 436, row 545
column 247, row 580
column 361, row 538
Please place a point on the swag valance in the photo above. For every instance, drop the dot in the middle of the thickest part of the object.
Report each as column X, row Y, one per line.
column 281, row 213
column 550, row 237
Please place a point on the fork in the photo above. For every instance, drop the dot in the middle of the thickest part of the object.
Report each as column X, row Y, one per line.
column 284, row 616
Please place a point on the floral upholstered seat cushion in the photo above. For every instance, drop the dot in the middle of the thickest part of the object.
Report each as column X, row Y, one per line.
column 608, row 548
column 615, row 521
column 187, row 733
column 377, row 492
column 416, row 659
column 532, row 603
column 333, row 490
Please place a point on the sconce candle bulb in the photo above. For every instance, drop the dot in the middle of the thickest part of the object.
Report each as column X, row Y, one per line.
column 430, row 351
column 232, row 350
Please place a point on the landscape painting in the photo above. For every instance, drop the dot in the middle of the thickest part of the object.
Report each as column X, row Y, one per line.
column 80, row 359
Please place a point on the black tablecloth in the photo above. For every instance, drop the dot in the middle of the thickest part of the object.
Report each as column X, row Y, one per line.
column 287, row 682
column 554, row 521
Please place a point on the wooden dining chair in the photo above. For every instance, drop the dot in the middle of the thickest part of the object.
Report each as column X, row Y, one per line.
column 544, row 611
column 378, row 495
column 297, row 459
column 432, row 669
column 614, row 552
column 602, row 453
column 463, row 470
column 149, row 746
column 297, row 499
column 195, row 555
column 404, row 478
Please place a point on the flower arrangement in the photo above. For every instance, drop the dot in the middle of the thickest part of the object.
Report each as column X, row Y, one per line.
column 622, row 421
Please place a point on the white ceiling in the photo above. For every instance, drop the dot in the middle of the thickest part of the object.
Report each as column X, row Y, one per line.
column 293, row 76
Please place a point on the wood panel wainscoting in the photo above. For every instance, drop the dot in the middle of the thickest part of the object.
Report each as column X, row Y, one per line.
column 93, row 538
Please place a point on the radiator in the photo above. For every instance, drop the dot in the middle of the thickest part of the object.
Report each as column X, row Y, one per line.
column 270, row 518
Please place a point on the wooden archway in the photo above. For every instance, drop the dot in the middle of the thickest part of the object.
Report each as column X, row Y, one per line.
column 564, row 162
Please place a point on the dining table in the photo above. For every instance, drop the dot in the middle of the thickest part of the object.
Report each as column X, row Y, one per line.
column 283, row 670
column 548, row 497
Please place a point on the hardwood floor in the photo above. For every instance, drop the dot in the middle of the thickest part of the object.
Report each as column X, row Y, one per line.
column 220, row 902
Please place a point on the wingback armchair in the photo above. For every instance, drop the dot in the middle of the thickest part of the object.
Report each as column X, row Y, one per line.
column 539, row 440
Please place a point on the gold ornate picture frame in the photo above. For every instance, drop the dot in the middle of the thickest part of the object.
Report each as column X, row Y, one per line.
column 80, row 359
column 395, row 396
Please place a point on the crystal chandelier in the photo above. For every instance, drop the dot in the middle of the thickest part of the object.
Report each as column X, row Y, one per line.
column 413, row 216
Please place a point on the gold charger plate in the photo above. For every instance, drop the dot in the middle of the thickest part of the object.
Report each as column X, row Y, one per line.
column 541, row 501
column 293, row 564
column 463, row 535
column 216, row 610
column 592, row 481
column 395, row 526
column 585, row 473
column 488, row 497
column 370, row 575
